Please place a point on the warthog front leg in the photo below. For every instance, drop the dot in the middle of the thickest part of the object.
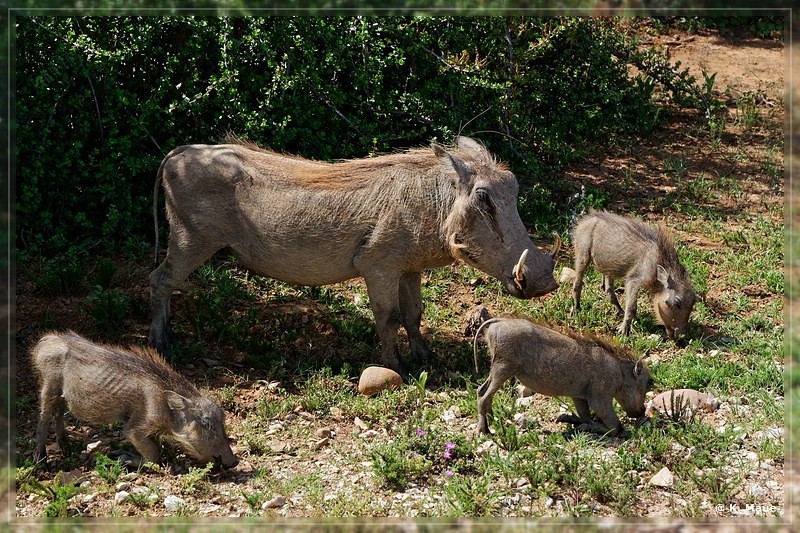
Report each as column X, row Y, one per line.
column 147, row 445
column 581, row 264
column 631, row 293
column 411, row 314
column 605, row 410
column 51, row 404
column 384, row 298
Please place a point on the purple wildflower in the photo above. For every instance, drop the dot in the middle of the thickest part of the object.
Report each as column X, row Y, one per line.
column 447, row 455
column 450, row 445
column 448, row 473
column 420, row 432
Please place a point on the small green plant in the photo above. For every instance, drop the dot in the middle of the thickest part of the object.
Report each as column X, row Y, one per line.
column 470, row 496
column 108, row 469
column 253, row 500
column 747, row 114
column 195, row 481
column 396, row 465
column 676, row 165
column 59, row 495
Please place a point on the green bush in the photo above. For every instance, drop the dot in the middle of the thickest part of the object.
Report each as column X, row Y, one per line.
column 101, row 100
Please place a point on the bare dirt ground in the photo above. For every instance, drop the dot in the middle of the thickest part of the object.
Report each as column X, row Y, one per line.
column 743, row 65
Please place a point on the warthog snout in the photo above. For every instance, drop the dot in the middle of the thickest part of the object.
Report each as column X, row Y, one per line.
column 226, row 463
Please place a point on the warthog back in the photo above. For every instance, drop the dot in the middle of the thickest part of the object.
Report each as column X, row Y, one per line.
column 627, row 248
column 106, row 384
column 589, row 370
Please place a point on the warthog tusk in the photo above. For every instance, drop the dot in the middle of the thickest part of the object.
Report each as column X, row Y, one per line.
column 518, row 275
column 556, row 245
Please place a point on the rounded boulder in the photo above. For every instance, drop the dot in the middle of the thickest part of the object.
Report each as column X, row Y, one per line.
column 377, row 378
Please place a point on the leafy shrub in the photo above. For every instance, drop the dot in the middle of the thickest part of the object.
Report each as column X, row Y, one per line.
column 101, row 100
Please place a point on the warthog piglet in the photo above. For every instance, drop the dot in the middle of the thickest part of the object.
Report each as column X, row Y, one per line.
column 627, row 248
column 105, row 384
column 589, row 370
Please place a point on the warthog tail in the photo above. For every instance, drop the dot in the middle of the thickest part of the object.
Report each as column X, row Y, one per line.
column 159, row 177
column 475, row 340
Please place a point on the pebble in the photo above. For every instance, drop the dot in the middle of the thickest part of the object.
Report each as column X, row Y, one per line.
column 121, row 497
column 360, row 424
column 758, row 491
column 146, row 492
column 174, row 503
column 275, row 503
column 323, row 433
column 92, row 446
column 122, row 486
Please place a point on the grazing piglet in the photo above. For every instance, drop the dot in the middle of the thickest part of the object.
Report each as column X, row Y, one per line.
column 105, row 384
column 624, row 247
column 590, row 370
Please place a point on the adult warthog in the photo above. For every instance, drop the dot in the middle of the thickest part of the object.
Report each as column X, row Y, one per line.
column 384, row 219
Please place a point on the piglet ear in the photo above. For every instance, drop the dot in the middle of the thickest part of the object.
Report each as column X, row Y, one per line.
column 663, row 276
column 176, row 402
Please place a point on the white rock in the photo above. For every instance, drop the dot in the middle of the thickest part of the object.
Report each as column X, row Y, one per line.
column 121, row 497
column 174, row 503
column 758, row 491
column 123, row 485
column 663, row 478
column 92, row 446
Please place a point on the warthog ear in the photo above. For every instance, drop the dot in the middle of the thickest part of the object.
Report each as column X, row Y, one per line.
column 663, row 276
column 464, row 181
column 637, row 368
column 176, row 402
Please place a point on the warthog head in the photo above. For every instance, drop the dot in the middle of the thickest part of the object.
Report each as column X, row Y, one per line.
column 484, row 229
column 199, row 427
column 635, row 384
column 673, row 303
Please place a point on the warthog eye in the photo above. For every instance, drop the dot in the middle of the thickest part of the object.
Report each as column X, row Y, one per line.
column 483, row 195
column 650, row 383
